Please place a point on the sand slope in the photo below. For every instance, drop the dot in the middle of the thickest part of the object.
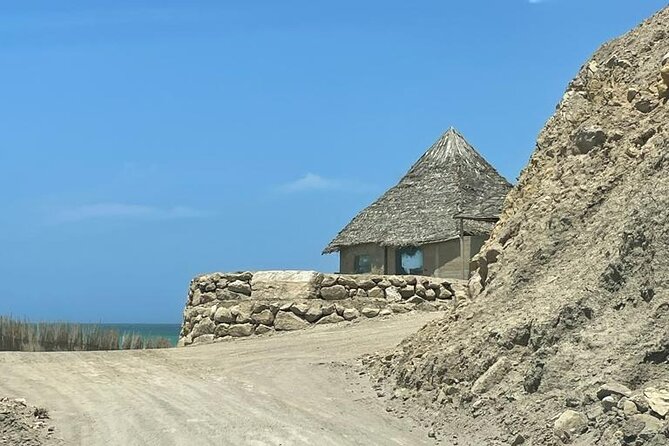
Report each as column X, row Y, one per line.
column 279, row 390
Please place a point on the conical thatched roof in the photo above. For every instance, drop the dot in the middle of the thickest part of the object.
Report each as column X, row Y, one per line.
column 449, row 179
column 487, row 210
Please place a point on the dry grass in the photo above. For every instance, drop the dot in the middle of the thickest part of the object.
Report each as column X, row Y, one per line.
column 25, row 336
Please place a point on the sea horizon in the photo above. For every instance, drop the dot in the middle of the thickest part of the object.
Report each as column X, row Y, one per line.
column 147, row 330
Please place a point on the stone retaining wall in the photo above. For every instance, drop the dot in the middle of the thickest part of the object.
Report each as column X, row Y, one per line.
column 224, row 305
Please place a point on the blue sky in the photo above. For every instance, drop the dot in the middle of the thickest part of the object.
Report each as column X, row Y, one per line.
column 143, row 142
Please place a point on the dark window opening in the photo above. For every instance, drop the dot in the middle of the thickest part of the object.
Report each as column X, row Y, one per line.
column 362, row 264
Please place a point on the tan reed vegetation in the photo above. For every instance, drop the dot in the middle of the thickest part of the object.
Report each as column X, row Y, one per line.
column 21, row 335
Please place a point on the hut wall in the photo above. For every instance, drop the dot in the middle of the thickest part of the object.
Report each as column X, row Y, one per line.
column 347, row 258
column 439, row 259
column 476, row 245
column 443, row 259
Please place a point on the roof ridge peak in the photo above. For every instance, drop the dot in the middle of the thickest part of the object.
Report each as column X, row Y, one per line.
column 450, row 145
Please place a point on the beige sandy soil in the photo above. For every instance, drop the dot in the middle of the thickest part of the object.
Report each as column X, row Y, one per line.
column 277, row 390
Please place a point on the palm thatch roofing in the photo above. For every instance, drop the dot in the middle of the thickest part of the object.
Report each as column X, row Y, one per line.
column 450, row 179
column 487, row 210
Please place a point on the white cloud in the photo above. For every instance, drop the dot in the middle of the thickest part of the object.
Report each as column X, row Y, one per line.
column 99, row 211
column 311, row 182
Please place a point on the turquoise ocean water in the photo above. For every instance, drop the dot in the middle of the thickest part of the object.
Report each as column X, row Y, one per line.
column 169, row 331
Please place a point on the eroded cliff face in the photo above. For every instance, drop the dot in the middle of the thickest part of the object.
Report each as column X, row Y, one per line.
column 572, row 290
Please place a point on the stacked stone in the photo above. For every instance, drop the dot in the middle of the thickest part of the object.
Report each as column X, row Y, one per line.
column 219, row 286
column 641, row 415
column 231, row 305
column 412, row 289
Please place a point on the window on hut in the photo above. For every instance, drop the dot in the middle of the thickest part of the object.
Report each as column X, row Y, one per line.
column 362, row 264
column 410, row 260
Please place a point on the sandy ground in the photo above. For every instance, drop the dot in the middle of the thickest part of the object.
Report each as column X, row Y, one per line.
column 276, row 390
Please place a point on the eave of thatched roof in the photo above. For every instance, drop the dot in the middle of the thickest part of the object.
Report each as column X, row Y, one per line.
column 486, row 210
column 449, row 178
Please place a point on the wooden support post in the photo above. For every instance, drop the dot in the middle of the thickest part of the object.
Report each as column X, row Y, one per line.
column 462, row 249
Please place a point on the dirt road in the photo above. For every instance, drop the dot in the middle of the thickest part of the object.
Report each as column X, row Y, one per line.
column 277, row 390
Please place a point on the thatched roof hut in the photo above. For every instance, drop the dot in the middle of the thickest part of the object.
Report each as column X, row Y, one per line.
column 449, row 179
column 487, row 210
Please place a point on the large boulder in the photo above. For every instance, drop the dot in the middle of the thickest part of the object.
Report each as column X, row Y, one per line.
column 350, row 313
column 269, row 285
column 335, row 292
column 347, row 281
column 376, row 293
column 366, row 284
column 287, row 321
column 242, row 312
column 204, row 327
column 263, row 329
column 644, row 427
column 228, row 294
column 614, row 389
column 265, row 317
column 224, row 315
column 393, row 294
column 240, row 287
column 331, row 319
column 240, row 330
column 313, row 313
column 658, row 400
column 570, row 423
column 492, row 376
column 370, row 311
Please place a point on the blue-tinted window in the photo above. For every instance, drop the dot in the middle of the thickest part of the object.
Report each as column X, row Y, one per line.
column 410, row 260
column 363, row 264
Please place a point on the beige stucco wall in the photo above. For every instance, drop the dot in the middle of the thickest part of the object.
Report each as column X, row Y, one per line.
column 439, row 259
column 347, row 258
column 477, row 244
column 445, row 258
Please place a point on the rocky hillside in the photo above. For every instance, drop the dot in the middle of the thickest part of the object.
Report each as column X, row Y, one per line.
column 23, row 425
column 566, row 338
